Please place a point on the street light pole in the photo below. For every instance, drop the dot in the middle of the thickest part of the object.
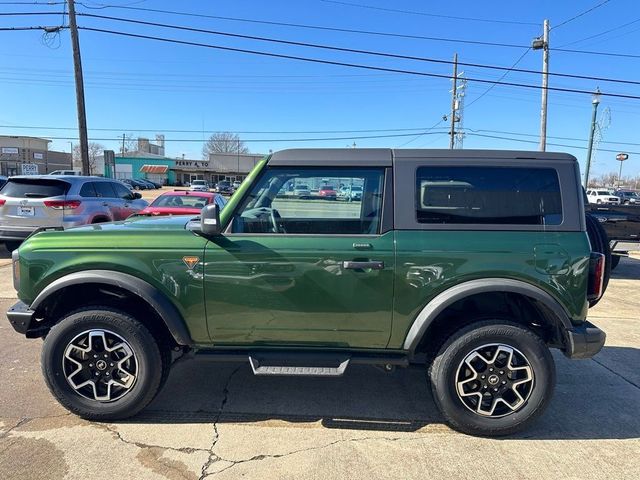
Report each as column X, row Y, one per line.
column 595, row 102
column 621, row 157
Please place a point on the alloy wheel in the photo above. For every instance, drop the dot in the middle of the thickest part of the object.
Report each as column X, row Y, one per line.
column 494, row 380
column 100, row 365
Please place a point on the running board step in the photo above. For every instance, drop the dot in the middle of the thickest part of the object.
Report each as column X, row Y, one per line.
column 329, row 366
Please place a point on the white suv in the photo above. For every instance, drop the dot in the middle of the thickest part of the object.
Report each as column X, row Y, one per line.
column 199, row 186
column 602, row 196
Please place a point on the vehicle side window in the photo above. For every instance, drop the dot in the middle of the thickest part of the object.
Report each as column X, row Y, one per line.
column 122, row 191
column 273, row 206
column 488, row 195
column 88, row 190
column 104, row 190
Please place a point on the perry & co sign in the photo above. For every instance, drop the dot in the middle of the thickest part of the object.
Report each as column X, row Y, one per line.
column 192, row 164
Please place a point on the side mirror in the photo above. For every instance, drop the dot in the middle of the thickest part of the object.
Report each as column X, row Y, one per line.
column 210, row 220
column 137, row 196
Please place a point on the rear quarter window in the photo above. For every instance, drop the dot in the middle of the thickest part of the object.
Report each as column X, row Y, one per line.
column 488, row 195
column 34, row 188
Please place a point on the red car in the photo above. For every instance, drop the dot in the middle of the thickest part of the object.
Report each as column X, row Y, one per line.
column 327, row 191
column 182, row 202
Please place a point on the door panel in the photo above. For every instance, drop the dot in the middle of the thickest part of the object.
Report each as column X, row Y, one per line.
column 295, row 290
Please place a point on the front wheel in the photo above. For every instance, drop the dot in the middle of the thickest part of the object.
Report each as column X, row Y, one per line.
column 492, row 378
column 103, row 364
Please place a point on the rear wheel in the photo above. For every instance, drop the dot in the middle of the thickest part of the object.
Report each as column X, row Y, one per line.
column 492, row 378
column 103, row 364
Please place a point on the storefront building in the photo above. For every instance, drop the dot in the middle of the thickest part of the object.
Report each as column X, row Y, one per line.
column 21, row 155
column 220, row 166
column 156, row 169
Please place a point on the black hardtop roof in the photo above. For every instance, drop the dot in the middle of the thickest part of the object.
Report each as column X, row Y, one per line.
column 385, row 157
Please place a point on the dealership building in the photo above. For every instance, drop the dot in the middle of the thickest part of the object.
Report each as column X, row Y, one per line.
column 218, row 167
column 21, row 155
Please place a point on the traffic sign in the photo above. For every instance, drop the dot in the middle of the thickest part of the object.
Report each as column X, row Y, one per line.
column 621, row 157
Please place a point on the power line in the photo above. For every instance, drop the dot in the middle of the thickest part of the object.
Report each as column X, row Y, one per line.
column 33, row 127
column 358, row 51
column 520, row 140
column 260, row 140
column 41, row 27
column 425, row 14
column 614, row 29
column 590, row 52
column 581, row 14
column 421, row 134
column 500, row 79
column 346, row 64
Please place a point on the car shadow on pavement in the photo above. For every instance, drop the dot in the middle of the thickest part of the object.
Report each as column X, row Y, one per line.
column 593, row 400
column 4, row 253
column 628, row 268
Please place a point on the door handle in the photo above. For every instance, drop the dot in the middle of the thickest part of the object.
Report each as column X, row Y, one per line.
column 355, row 265
column 105, row 204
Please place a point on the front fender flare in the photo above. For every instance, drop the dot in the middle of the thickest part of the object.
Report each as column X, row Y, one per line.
column 158, row 301
column 431, row 311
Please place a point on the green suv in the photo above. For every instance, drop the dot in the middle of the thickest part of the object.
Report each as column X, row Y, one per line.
column 473, row 262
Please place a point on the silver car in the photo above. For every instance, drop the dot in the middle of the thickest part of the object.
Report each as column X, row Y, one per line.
column 28, row 203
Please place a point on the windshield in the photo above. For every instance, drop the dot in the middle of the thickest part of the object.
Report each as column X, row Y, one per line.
column 327, row 187
column 181, row 201
column 198, row 182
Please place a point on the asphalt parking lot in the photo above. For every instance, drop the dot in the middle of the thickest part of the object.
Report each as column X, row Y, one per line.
column 219, row 421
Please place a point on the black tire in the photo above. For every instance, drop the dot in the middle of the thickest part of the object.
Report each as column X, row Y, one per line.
column 599, row 243
column 615, row 260
column 152, row 362
column 12, row 245
column 443, row 374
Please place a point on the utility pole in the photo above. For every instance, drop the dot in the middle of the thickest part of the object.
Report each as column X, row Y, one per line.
column 77, row 67
column 123, row 137
column 453, row 101
column 595, row 102
column 460, row 96
column 543, row 44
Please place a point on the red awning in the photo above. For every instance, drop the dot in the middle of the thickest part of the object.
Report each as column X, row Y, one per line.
column 154, row 169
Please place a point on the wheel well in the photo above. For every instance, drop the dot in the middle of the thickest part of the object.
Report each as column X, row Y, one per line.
column 100, row 219
column 73, row 297
column 515, row 307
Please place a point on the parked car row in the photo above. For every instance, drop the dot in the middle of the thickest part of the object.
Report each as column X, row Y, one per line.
column 34, row 202
column 618, row 197
column 141, row 184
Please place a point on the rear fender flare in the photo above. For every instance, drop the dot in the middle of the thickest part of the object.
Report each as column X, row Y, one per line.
column 430, row 312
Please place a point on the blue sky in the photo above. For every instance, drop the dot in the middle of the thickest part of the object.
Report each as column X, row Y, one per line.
column 134, row 85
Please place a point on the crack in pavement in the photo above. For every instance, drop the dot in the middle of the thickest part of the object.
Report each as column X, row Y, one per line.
column 142, row 445
column 20, row 422
column 216, row 436
column 256, row 458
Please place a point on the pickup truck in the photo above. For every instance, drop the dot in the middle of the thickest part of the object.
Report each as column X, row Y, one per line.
column 622, row 224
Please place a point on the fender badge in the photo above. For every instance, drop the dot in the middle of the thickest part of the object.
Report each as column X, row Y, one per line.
column 190, row 262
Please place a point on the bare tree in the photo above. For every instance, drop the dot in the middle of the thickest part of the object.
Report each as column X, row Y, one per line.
column 130, row 144
column 223, row 142
column 95, row 150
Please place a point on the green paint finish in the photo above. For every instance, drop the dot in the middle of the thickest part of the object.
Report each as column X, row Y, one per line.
column 150, row 249
column 293, row 290
column 429, row 262
column 280, row 290
column 227, row 213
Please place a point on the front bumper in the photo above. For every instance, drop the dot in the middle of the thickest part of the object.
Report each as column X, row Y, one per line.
column 584, row 341
column 20, row 317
